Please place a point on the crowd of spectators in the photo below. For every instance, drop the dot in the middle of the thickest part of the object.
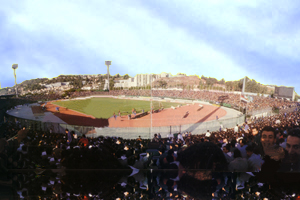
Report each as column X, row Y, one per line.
column 39, row 97
column 239, row 149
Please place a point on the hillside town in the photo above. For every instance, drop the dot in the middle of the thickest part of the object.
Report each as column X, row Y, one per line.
column 164, row 80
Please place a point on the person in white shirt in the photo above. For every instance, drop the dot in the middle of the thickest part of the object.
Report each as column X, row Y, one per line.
column 221, row 127
column 179, row 137
column 207, row 134
column 236, row 128
column 246, row 128
column 170, row 136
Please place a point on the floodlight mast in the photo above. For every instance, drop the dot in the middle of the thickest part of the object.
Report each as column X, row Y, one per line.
column 108, row 63
column 14, row 67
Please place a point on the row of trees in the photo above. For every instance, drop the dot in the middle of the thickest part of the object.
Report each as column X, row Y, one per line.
column 251, row 86
column 32, row 87
column 211, row 81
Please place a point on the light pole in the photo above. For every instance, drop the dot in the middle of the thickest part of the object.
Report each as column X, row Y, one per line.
column 108, row 63
column 14, row 67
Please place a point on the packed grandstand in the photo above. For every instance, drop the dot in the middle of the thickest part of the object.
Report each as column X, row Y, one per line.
column 51, row 159
column 234, row 100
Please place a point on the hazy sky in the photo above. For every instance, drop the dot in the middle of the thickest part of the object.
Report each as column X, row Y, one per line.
column 216, row 38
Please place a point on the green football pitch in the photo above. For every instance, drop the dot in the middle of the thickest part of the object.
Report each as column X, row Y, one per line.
column 105, row 107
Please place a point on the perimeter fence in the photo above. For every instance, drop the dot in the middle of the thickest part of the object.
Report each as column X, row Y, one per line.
column 165, row 131
column 36, row 125
column 261, row 113
column 127, row 132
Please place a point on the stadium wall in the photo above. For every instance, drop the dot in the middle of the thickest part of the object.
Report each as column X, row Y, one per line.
column 129, row 132
column 148, row 133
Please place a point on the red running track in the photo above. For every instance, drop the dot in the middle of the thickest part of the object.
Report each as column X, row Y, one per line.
column 167, row 117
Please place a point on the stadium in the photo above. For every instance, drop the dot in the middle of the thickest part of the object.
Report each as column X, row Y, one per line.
column 47, row 139
column 94, row 115
column 145, row 100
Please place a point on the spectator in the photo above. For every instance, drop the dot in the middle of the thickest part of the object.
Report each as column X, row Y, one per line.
column 83, row 141
column 254, row 160
column 207, row 134
column 155, row 138
column 159, row 136
column 203, row 156
column 268, row 138
column 243, row 147
column 292, row 160
column 239, row 164
column 227, row 153
column 179, row 137
column 236, row 128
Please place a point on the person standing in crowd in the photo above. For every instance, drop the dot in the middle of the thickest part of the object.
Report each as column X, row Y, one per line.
column 83, row 141
column 170, row 136
column 221, row 127
column 159, row 136
column 119, row 113
column 69, row 136
column 155, row 138
column 268, row 138
column 257, row 135
column 179, row 137
column 75, row 136
column 271, row 153
column 291, row 162
column 239, row 164
column 254, row 160
column 227, row 153
column 207, row 134
column 236, row 129
column 246, row 128
column 242, row 147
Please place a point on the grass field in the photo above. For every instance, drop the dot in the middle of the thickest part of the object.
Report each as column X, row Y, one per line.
column 105, row 107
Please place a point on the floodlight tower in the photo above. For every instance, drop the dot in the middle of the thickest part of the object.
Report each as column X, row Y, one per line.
column 108, row 63
column 14, row 67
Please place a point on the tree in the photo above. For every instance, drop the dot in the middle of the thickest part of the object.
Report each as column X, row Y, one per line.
column 203, row 77
column 77, row 83
column 222, row 81
column 182, row 74
column 111, row 84
column 211, row 81
column 162, row 83
column 188, row 87
column 126, row 76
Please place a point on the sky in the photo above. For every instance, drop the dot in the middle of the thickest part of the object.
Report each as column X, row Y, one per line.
column 215, row 38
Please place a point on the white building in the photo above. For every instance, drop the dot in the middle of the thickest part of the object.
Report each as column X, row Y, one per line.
column 140, row 80
column 86, row 87
column 106, row 85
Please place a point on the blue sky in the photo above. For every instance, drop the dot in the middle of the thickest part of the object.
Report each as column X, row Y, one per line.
column 216, row 38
